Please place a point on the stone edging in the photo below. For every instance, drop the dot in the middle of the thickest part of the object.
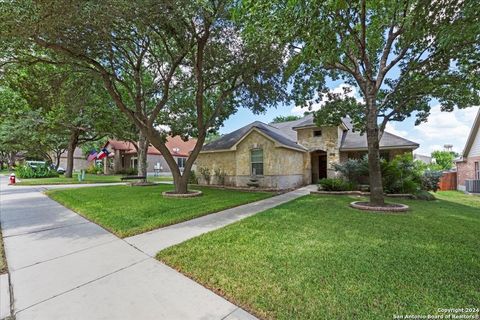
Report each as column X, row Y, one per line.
column 190, row 194
column 361, row 193
column 392, row 208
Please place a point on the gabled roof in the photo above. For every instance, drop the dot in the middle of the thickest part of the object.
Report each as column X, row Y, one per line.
column 472, row 135
column 285, row 133
column 228, row 141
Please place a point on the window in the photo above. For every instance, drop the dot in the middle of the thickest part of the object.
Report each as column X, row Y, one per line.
column 256, row 156
column 133, row 162
column 317, row 133
column 477, row 170
column 181, row 162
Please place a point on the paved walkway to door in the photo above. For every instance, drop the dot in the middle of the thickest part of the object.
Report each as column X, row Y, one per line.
column 64, row 267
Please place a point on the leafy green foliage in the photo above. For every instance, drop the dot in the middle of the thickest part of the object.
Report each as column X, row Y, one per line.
column 424, row 195
column 430, row 180
column 335, row 184
column 279, row 119
column 187, row 66
column 354, row 170
column 27, row 172
column 444, row 159
column 401, row 175
column 399, row 55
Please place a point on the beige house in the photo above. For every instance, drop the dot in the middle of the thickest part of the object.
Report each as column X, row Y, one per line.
column 287, row 155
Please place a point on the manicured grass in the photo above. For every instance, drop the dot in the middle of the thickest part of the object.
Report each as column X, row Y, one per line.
column 3, row 263
column 316, row 258
column 127, row 211
column 89, row 178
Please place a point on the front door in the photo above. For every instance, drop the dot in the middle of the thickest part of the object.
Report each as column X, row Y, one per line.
column 319, row 165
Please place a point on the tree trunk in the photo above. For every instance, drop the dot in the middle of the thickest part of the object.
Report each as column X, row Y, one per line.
column 57, row 160
column 11, row 160
column 72, row 145
column 142, row 152
column 181, row 182
column 373, row 141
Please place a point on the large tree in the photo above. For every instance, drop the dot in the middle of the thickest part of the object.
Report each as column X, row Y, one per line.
column 399, row 54
column 68, row 108
column 182, row 64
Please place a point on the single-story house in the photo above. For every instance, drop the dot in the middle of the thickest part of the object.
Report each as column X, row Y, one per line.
column 289, row 154
column 123, row 155
column 468, row 165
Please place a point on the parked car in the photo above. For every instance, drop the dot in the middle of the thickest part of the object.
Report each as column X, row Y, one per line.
column 35, row 164
column 61, row 170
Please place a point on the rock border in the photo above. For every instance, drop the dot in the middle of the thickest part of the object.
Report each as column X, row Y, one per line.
column 190, row 194
column 397, row 207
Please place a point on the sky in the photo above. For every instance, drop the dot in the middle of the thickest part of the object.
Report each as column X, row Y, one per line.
column 440, row 129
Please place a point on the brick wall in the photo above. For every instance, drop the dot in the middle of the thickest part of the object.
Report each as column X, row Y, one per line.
column 466, row 170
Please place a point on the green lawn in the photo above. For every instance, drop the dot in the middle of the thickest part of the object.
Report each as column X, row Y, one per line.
column 127, row 211
column 89, row 178
column 316, row 258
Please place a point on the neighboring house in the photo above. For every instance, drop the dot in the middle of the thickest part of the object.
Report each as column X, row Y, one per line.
column 79, row 160
column 423, row 158
column 289, row 154
column 468, row 165
column 123, row 155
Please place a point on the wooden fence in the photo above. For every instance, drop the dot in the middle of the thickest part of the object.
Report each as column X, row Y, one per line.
column 448, row 181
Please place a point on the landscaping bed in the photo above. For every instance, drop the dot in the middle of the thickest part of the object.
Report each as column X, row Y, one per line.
column 126, row 210
column 317, row 258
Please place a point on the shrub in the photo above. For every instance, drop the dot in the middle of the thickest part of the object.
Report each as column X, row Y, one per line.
column 354, row 170
column 401, row 175
column 430, row 180
column 424, row 195
column 128, row 171
column 220, row 174
column 205, row 173
column 94, row 169
column 192, row 178
column 335, row 184
column 27, row 172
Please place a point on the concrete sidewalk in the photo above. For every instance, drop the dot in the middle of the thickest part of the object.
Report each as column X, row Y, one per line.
column 64, row 267
column 153, row 241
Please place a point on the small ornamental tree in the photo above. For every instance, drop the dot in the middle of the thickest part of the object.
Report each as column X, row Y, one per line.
column 185, row 64
column 444, row 159
column 399, row 54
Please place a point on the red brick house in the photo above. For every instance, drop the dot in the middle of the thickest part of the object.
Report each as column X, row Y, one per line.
column 468, row 166
column 123, row 155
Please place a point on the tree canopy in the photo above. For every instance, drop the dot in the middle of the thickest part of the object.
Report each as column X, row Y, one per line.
column 185, row 65
column 279, row 119
column 400, row 55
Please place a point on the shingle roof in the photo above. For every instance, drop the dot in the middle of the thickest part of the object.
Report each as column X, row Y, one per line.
column 229, row 140
column 286, row 134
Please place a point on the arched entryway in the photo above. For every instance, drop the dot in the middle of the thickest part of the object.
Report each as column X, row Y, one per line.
column 319, row 165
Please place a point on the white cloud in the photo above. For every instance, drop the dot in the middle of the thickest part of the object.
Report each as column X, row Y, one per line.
column 445, row 128
column 391, row 127
column 352, row 92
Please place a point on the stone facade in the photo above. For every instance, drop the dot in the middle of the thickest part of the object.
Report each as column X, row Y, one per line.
column 328, row 141
column 283, row 168
column 466, row 171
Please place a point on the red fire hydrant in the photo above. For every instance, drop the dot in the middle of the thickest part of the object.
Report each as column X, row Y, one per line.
column 12, row 178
